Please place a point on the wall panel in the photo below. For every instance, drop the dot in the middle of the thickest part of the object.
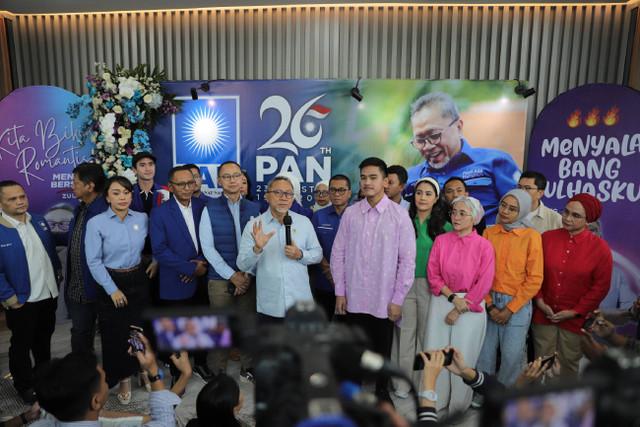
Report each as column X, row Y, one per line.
column 555, row 47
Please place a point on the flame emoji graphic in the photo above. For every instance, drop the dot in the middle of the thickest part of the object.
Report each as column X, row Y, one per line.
column 592, row 118
column 575, row 119
column 611, row 118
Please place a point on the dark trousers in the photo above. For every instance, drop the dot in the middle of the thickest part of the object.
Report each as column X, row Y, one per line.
column 199, row 298
column 326, row 300
column 114, row 323
column 31, row 328
column 380, row 334
column 83, row 324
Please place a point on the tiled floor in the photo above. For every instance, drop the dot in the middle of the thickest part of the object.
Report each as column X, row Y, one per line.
column 60, row 345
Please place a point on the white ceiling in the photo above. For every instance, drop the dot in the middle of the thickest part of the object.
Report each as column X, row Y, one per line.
column 75, row 6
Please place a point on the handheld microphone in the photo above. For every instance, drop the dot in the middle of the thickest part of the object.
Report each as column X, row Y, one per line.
column 287, row 228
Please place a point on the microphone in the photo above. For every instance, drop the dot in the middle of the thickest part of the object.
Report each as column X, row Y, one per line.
column 287, row 228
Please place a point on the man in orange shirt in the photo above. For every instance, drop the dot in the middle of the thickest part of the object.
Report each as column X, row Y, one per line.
column 518, row 277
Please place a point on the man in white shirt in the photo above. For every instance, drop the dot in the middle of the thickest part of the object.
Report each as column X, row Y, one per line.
column 542, row 218
column 30, row 273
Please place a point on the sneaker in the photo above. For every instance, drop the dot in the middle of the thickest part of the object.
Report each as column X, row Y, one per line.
column 477, row 401
column 401, row 394
column 203, row 372
column 246, row 376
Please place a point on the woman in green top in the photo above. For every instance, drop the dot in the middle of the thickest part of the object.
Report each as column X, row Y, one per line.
column 428, row 213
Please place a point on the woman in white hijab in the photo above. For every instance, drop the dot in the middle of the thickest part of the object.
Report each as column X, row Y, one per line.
column 321, row 193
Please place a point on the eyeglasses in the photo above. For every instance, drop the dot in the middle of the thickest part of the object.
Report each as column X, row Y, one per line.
column 280, row 194
column 62, row 225
column 572, row 214
column 511, row 209
column 433, row 139
column 183, row 185
column 461, row 214
column 341, row 191
column 227, row 177
column 321, row 193
column 525, row 187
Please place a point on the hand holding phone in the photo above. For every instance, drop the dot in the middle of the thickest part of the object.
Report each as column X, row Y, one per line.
column 136, row 343
column 418, row 363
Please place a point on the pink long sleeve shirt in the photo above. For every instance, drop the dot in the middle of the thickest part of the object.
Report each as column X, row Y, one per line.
column 373, row 257
column 463, row 264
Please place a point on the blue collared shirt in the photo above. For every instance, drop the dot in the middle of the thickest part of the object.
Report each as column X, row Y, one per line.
column 325, row 222
column 162, row 413
column 280, row 281
column 116, row 244
column 488, row 173
column 207, row 239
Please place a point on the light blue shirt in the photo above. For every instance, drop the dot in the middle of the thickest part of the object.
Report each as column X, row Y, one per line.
column 207, row 239
column 280, row 281
column 112, row 243
column 162, row 413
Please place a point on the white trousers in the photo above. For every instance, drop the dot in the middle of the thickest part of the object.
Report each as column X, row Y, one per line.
column 408, row 339
column 467, row 336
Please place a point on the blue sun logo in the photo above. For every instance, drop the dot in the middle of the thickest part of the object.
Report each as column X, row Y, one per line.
column 206, row 131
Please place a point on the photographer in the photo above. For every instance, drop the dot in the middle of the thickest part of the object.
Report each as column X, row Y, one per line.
column 74, row 390
column 605, row 329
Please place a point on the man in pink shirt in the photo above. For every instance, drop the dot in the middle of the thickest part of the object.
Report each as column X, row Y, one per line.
column 373, row 261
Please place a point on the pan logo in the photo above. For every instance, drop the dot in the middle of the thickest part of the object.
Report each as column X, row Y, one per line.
column 207, row 131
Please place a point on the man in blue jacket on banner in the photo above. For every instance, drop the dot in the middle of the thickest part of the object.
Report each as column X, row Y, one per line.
column 174, row 228
column 437, row 132
column 30, row 273
column 81, row 290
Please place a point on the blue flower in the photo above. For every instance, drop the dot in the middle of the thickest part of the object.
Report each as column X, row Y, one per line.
column 88, row 85
column 109, row 104
column 140, row 138
column 126, row 160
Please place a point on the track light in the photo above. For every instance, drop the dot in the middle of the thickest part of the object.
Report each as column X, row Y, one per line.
column 204, row 87
column 523, row 91
column 355, row 92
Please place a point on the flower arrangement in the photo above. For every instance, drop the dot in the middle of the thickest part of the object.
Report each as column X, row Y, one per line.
column 122, row 106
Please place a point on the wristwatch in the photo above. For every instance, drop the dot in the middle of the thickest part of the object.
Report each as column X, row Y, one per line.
column 154, row 378
column 451, row 297
column 430, row 395
column 491, row 307
column 301, row 255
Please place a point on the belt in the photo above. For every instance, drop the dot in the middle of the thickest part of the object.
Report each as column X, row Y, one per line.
column 124, row 271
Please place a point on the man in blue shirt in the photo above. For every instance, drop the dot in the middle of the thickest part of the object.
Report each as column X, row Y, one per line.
column 281, row 269
column 326, row 222
column 197, row 191
column 30, row 273
column 221, row 227
column 437, row 132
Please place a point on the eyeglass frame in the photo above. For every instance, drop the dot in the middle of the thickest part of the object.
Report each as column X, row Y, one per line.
column 321, row 192
column 340, row 191
column 228, row 177
column 183, row 185
column 279, row 194
column 438, row 135
column 573, row 215
column 525, row 187
column 460, row 214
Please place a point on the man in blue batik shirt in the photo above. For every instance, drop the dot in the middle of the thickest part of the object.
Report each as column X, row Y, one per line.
column 437, row 133
column 326, row 222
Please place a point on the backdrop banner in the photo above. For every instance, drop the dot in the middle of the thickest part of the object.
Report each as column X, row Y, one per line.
column 588, row 141
column 314, row 128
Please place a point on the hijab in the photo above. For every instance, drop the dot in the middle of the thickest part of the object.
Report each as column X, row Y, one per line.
column 524, row 203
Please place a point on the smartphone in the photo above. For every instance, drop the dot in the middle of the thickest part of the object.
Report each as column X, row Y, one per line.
column 588, row 322
column 192, row 332
column 136, row 343
column 418, row 363
column 548, row 361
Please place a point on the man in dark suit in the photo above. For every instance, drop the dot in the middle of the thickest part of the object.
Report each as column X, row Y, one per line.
column 80, row 292
column 220, row 233
column 173, row 227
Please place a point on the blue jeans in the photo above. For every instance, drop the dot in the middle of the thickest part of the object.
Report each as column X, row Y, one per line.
column 511, row 338
column 83, row 324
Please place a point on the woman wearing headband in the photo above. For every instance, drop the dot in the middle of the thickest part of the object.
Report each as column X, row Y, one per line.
column 577, row 276
column 427, row 211
column 518, row 277
column 460, row 272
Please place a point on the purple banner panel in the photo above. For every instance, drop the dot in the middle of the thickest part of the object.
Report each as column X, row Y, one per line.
column 588, row 141
column 39, row 147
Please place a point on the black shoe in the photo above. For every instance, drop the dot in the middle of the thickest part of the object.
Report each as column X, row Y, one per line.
column 383, row 396
column 29, row 397
column 203, row 372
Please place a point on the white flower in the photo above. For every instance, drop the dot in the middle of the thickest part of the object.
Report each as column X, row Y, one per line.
column 110, row 159
column 128, row 173
column 106, row 77
column 111, row 174
column 121, row 130
column 107, row 123
column 105, row 166
column 122, row 142
column 128, row 86
column 117, row 109
column 94, row 137
column 153, row 100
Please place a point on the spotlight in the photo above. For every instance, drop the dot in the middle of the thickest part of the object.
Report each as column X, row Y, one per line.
column 522, row 90
column 204, row 87
column 355, row 92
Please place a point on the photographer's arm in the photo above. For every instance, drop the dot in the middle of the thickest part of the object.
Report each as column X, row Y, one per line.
column 184, row 366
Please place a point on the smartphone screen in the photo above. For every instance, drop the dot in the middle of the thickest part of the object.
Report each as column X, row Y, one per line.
column 204, row 332
column 136, row 343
